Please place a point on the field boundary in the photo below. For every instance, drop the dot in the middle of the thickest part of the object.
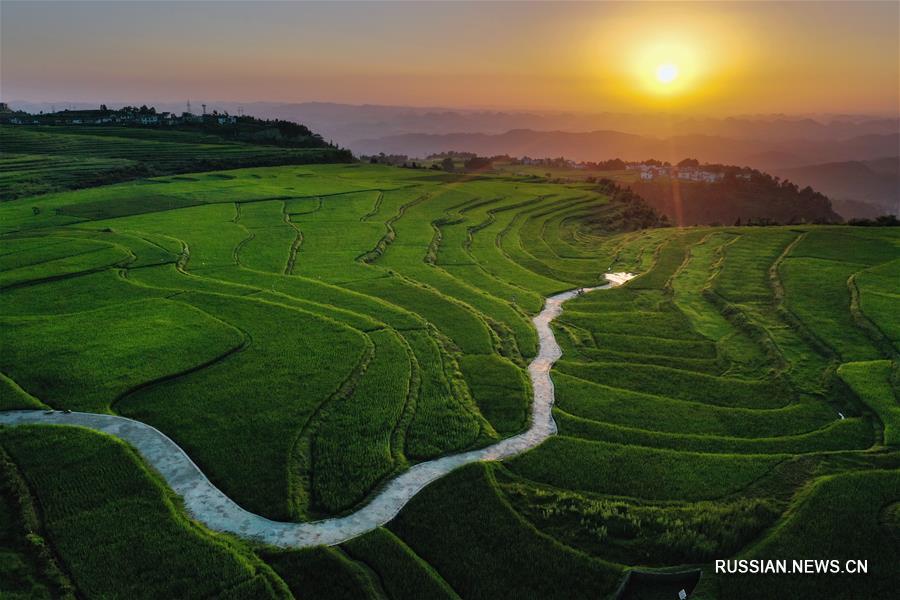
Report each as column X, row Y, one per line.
column 209, row 505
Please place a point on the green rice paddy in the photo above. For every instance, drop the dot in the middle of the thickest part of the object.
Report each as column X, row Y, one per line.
column 307, row 332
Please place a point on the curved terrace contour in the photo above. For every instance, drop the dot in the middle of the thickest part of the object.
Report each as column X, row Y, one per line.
column 206, row 503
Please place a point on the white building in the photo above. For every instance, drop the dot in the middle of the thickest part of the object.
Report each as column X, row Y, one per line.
column 695, row 174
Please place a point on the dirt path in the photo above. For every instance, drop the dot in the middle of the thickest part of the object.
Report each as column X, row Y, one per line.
column 208, row 504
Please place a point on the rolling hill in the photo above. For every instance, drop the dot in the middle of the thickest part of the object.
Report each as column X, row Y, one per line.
column 318, row 329
column 40, row 159
column 609, row 144
column 858, row 188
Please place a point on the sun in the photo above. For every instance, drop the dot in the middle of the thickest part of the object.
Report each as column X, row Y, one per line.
column 667, row 73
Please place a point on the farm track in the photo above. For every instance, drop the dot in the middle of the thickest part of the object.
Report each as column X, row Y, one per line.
column 209, row 505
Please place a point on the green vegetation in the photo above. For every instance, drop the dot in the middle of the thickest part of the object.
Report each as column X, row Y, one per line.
column 872, row 382
column 356, row 433
column 841, row 518
column 322, row 573
column 37, row 160
column 501, row 391
column 484, row 549
column 682, row 384
column 650, row 473
column 307, row 332
column 28, row 568
column 88, row 368
column 634, row 533
column 295, row 360
column 14, row 397
column 445, row 419
column 105, row 526
column 402, row 573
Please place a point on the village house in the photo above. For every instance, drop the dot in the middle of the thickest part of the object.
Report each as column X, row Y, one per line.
column 695, row 174
column 125, row 116
column 649, row 172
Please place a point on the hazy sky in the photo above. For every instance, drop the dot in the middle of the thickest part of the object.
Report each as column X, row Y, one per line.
column 731, row 58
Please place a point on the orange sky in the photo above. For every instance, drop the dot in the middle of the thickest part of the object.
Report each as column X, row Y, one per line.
column 732, row 58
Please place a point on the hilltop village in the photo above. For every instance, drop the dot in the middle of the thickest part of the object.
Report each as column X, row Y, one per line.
column 127, row 115
column 236, row 128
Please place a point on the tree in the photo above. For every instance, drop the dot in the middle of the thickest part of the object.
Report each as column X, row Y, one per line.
column 478, row 163
column 615, row 164
column 882, row 221
column 689, row 162
column 448, row 165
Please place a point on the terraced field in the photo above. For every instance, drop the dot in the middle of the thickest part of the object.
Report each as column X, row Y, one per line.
column 38, row 160
column 307, row 333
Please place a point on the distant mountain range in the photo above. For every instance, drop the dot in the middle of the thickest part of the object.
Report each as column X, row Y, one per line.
column 851, row 158
column 348, row 123
column 860, row 174
column 856, row 188
column 603, row 145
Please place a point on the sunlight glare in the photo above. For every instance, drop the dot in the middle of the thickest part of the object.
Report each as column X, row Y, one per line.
column 666, row 73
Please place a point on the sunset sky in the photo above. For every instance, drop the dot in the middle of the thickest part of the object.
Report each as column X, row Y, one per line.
column 720, row 58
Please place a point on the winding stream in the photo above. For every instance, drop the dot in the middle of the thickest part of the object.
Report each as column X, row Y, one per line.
column 206, row 503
